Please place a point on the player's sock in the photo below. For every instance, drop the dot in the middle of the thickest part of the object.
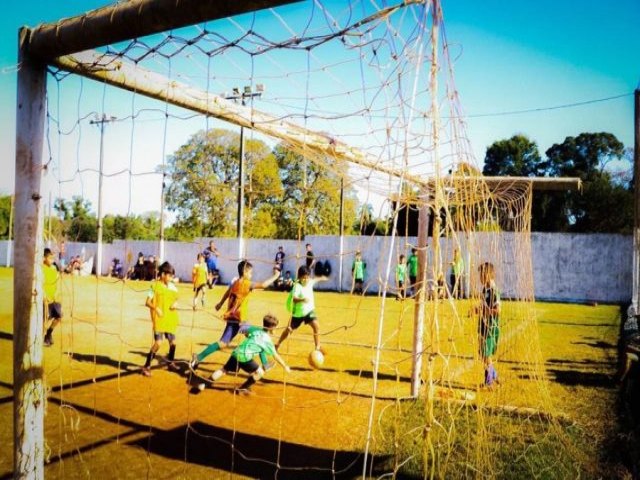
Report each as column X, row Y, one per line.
column 489, row 375
column 194, row 361
column 214, row 347
column 493, row 374
column 248, row 383
column 150, row 356
column 172, row 353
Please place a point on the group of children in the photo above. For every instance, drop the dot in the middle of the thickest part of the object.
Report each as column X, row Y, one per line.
column 162, row 301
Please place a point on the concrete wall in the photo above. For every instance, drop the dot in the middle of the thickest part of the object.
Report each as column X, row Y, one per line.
column 594, row 267
column 566, row 267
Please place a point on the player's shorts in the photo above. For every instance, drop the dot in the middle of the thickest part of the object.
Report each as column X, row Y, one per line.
column 230, row 331
column 199, row 288
column 400, row 285
column 157, row 336
column 489, row 344
column 307, row 319
column 413, row 280
column 233, row 365
column 55, row 311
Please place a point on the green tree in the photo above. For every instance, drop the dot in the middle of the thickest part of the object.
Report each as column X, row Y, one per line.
column 78, row 224
column 203, row 181
column 131, row 227
column 367, row 224
column 263, row 191
column 310, row 204
column 585, row 156
column 602, row 206
column 516, row 157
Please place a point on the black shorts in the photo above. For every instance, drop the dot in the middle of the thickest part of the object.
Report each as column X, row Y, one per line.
column 55, row 311
column 233, row 365
column 413, row 280
column 307, row 319
column 157, row 336
column 199, row 288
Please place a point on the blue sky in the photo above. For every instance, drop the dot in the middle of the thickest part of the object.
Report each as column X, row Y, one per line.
column 509, row 56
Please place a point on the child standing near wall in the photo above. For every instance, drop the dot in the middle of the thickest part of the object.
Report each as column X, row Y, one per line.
column 199, row 275
column 357, row 269
column 401, row 275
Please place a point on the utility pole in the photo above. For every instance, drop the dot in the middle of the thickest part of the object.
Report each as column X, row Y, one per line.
column 242, row 96
column 635, row 296
column 101, row 121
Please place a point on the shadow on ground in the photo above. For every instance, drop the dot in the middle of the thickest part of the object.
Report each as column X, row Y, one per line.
column 256, row 456
column 584, row 379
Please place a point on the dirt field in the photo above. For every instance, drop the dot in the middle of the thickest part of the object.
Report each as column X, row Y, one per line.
column 104, row 420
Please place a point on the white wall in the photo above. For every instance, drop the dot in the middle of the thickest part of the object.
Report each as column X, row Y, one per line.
column 566, row 267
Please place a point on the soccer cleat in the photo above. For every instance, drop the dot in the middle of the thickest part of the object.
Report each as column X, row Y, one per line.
column 193, row 364
column 48, row 341
column 245, row 392
column 145, row 372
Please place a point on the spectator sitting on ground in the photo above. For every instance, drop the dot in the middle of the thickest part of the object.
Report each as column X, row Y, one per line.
column 116, row 270
column 279, row 283
column 287, row 281
column 75, row 265
column 137, row 271
column 150, row 268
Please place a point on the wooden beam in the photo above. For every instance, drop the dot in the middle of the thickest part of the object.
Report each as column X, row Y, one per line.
column 28, row 376
column 115, row 71
column 132, row 19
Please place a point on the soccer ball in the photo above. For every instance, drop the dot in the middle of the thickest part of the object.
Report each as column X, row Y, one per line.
column 201, row 387
column 316, row 359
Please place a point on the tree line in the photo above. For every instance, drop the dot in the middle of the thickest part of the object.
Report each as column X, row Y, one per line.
column 289, row 197
column 600, row 160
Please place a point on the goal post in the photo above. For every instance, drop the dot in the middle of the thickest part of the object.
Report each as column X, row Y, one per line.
column 28, row 381
column 37, row 48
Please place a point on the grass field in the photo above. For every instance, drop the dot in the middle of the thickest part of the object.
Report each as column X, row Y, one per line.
column 104, row 420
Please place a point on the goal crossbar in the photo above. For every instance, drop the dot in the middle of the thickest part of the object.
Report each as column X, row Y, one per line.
column 131, row 19
column 113, row 70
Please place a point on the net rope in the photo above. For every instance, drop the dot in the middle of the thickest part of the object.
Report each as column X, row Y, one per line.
column 380, row 81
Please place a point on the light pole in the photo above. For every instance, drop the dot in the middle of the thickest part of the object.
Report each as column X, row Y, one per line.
column 101, row 121
column 242, row 96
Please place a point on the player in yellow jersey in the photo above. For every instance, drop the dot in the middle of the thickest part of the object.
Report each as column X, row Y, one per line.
column 199, row 277
column 162, row 301
column 52, row 307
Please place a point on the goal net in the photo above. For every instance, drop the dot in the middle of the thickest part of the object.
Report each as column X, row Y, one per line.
column 440, row 375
